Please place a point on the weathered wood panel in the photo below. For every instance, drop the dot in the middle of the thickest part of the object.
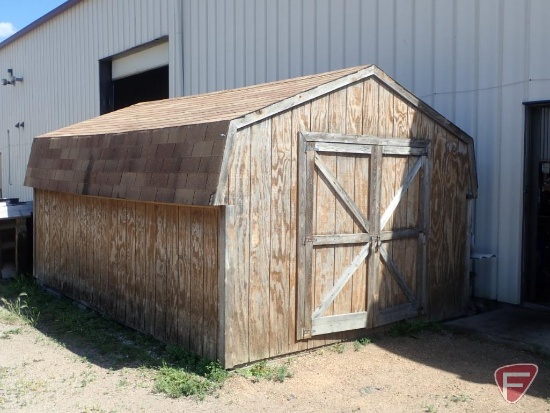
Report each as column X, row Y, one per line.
column 323, row 217
column 301, row 121
column 260, row 239
column 281, row 166
column 363, row 108
column 139, row 263
column 238, row 241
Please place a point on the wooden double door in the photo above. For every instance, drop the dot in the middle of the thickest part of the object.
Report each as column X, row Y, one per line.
column 362, row 218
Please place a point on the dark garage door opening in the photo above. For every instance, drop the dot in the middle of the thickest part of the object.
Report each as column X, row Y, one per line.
column 143, row 87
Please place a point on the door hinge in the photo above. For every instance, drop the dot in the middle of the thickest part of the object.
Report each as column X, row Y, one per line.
column 306, row 333
column 307, row 239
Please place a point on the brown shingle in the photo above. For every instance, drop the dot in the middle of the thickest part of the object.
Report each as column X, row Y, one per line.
column 201, row 197
column 114, row 178
column 201, row 149
column 184, row 196
column 128, row 179
column 142, row 179
column 183, row 149
column 171, row 165
column 105, row 191
column 111, row 165
column 154, row 165
column 177, row 181
column 134, row 152
column 190, row 165
column 130, row 139
column 159, row 180
column 133, row 192
column 137, row 165
column 117, row 139
column 196, row 180
column 148, row 194
column 165, row 150
column 160, row 136
column 98, row 165
column 165, row 195
column 149, row 151
column 119, row 191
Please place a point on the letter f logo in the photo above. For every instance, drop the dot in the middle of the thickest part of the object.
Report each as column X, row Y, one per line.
column 514, row 380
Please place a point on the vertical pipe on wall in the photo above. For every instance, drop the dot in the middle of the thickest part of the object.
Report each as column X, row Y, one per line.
column 9, row 159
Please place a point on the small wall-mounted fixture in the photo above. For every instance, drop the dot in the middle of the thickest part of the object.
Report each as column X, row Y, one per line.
column 20, row 125
column 11, row 79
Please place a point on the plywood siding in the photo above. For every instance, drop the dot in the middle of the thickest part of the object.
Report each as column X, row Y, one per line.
column 151, row 266
column 262, row 233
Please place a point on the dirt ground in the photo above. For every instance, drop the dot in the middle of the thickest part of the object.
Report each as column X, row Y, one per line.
column 436, row 372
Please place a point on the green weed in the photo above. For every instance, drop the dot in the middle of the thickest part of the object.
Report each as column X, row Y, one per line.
column 185, row 374
column 177, row 372
column 360, row 343
column 262, row 370
column 20, row 308
column 430, row 408
column 461, row 398
column 413, row 328
column 339, row 348
column 7, row 334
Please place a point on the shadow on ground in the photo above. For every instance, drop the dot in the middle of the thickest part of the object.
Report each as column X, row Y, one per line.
column 473, row 347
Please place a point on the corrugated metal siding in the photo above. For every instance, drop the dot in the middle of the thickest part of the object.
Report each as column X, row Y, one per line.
column 59, row 63
column 475, row 61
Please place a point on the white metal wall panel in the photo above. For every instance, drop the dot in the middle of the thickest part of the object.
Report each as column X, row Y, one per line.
column 475, row 61
column 59, row 63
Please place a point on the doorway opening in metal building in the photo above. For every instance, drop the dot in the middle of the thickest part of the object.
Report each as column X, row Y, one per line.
column 138, row 75
column 536, row 210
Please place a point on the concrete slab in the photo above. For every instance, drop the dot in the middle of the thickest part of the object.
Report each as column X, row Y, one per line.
column 519, row 326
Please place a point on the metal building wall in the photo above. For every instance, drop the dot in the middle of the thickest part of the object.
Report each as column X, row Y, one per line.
column 59, row 63
column 475, row 61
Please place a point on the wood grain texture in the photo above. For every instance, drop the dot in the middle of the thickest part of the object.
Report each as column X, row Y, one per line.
column 172, row 274
column 238, row 235
column 210, row 290
column 141, row 266
column 130, row 281
column 438, row 256
column 185, row 275
column 138, row 260
column 301, row 121
column 149, row 284
column 196, row 338
column 324, row 207
column 354, row 123
column 97, row 236
column 260, row 240
column 161, row 272
column 343, row 221
column 281, row 167
column 122, row 249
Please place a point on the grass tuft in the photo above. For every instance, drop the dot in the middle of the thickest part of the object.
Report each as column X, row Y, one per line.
column 265, row 371
column 360, row 343
column 413, row 328
column 177, row 372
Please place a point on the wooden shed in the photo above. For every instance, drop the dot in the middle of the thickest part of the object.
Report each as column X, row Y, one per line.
column 256, row 222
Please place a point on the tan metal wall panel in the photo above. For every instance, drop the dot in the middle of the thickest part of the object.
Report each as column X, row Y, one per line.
column 475, row 61
column 59, row 63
